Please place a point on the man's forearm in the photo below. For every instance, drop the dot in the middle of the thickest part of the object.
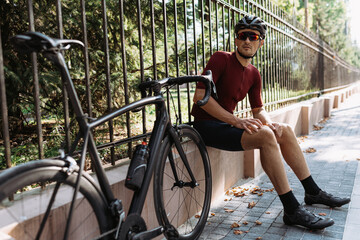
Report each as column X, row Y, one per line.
column 213, row 108
column 262, row 115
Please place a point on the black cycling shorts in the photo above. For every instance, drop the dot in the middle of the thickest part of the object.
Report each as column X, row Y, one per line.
column 220, row 135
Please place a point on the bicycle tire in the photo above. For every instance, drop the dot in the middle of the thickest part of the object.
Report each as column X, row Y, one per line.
column 33, row 183
column 188, row 218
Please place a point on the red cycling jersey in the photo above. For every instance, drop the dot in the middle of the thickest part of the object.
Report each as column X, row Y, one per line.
column 233, row 82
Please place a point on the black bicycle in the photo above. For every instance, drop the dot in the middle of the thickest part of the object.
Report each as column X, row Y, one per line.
column 55, row 199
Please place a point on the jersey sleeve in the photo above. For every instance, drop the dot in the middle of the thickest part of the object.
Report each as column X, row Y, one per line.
column 216, row 64
column 255, row 93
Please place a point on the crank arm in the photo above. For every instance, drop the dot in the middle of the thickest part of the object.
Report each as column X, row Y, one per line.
column 150, row 234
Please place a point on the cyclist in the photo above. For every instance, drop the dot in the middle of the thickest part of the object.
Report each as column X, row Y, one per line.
column 235, row 76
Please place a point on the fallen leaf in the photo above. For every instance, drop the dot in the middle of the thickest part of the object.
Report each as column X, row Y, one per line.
column 269, row 190
column 252, row 204
column 245, row 223
column 258, row 222
column 238, row 232
column 317, row 127
column 234, row 225
column 322, row 214
column 267, row 212
column 324, row 120
column 259, row 238
column 197, row 216
column 212, row 214
column 229, row 210
column 310, row 150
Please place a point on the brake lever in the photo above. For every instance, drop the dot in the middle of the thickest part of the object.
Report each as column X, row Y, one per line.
column 213, row 91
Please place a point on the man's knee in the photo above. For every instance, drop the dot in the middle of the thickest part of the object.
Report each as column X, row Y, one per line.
column 287, row 130
column 267, row 135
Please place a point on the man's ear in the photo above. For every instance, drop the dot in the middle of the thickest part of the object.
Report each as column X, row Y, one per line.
column 261, row 43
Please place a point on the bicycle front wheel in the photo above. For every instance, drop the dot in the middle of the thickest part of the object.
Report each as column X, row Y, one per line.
column 180, row 201
column 35, row 200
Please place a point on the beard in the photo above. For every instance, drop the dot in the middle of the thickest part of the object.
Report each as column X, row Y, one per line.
column 245, row 55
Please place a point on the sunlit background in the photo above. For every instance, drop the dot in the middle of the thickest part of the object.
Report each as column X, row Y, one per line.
column 354, row 14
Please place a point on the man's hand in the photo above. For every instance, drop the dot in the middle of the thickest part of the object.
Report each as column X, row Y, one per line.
column 250, row 125
column 276, row 127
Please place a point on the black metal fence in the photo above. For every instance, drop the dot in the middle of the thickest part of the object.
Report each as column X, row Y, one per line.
column 127, row 41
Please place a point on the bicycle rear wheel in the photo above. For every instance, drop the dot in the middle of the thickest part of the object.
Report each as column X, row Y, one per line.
column 177, row 203
column 26, row 192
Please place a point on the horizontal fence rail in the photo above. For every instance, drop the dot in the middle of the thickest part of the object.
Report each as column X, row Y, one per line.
column 127, row 41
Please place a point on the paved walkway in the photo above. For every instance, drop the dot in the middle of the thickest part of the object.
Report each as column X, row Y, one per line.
column 333, row 157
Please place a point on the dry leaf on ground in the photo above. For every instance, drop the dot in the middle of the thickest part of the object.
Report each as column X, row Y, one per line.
column 258, row 222
column 251, row 204
column 310, row 150
column 238, row 232
column 234, row 225
column 245, row 223
column 322, row 214
column 324, row 120
column 229, row 210
column 317, row 127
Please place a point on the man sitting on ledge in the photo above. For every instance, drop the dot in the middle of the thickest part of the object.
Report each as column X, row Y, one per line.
column 234, row 77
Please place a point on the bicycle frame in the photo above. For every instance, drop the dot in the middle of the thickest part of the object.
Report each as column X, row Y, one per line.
column 162, row 126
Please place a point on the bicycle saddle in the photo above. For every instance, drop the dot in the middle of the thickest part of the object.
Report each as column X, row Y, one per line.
column 38, row 42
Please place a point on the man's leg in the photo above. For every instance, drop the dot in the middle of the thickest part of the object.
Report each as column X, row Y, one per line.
column 270, row 157
column 293, row 155
column 271, row 161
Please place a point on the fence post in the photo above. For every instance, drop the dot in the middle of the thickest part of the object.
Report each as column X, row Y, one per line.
column 4, row 112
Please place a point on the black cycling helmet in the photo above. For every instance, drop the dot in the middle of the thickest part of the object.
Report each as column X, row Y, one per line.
column 252, row 22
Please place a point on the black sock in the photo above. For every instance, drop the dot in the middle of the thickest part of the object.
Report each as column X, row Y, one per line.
column 310, row 186
column 289, row 202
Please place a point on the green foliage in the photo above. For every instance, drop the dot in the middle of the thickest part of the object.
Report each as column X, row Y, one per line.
column 327, row 18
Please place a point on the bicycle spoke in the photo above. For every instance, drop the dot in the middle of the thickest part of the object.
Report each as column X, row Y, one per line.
column 43, row 222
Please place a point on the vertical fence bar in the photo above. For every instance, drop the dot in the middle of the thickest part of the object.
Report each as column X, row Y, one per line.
column 141, row 52
column 186, row 56
column 153, row 43
column 186, row 40
column 124, row 68
column 195, row 38
column 59, row 20
column 223, row 27
column 166, row 52
column 176, row 39
column 202, row 33
column 107, row 72
column 177, row 70
column 4, row 110
column 217, row 25
column 86, row 58
column 165, row 39
column 36, row 84
column 210, row 28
